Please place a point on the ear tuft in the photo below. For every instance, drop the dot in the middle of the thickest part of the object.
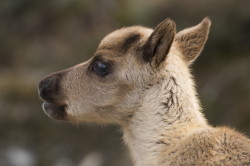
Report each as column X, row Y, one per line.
column 206, row 22
column 158, row 44
column 191, row 41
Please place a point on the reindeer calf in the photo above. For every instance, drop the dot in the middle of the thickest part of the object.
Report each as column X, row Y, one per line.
column 139, row 79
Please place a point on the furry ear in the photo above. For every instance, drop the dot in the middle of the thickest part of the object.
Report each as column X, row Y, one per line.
column 158, row 44
column 191, row 41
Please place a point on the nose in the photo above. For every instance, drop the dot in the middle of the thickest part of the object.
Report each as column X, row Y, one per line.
column 48, row 88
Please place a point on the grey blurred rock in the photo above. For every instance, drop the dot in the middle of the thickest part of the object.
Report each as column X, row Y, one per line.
column 92, row 159
column 16, row 156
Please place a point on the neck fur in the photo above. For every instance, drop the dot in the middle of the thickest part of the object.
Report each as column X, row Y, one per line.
column 169, row 112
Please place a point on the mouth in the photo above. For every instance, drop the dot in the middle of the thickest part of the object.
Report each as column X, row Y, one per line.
column 55, row 111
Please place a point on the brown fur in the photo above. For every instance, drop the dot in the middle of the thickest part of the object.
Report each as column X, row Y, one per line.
column 147, row 89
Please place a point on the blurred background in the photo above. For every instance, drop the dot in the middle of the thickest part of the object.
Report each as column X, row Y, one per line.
column 38, row 37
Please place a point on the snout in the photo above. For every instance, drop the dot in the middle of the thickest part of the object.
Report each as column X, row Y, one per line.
column 51, row 92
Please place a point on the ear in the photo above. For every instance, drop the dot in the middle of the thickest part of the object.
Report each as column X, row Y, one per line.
column 158, row 44
column 191, row 41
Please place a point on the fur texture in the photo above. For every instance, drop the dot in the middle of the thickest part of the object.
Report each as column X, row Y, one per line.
column 139, row 78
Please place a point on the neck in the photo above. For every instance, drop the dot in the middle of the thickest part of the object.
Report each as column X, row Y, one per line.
column 168, row 114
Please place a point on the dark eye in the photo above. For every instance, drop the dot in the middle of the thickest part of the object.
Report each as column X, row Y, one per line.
column 101, row 68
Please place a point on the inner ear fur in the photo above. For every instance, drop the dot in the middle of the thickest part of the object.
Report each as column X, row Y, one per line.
column 158, row 44
column 191, row 41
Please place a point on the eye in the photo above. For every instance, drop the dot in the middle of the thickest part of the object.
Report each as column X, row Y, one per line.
column 101, row 68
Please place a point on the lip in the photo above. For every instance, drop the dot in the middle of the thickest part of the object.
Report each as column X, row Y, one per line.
column 55, row 111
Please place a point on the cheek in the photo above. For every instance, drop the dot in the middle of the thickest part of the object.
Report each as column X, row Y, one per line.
column 93, row 104
column 89, row 94
column 103, row 95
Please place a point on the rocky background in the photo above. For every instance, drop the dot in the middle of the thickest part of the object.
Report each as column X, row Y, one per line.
column 38, row 37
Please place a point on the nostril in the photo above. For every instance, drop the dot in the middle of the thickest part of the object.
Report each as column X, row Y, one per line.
column 45, row 83
column 45, row 87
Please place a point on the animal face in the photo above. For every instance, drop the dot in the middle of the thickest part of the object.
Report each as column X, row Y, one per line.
column 109, row 87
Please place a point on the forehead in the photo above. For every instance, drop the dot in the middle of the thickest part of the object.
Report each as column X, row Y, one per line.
column 123, row 39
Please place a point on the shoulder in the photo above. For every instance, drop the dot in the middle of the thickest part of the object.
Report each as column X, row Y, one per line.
column 211, row 146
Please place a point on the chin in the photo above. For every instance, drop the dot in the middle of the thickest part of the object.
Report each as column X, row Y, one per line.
column 55, row 111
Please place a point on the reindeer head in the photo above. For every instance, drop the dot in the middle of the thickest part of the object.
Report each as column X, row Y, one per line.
column 109, row 87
